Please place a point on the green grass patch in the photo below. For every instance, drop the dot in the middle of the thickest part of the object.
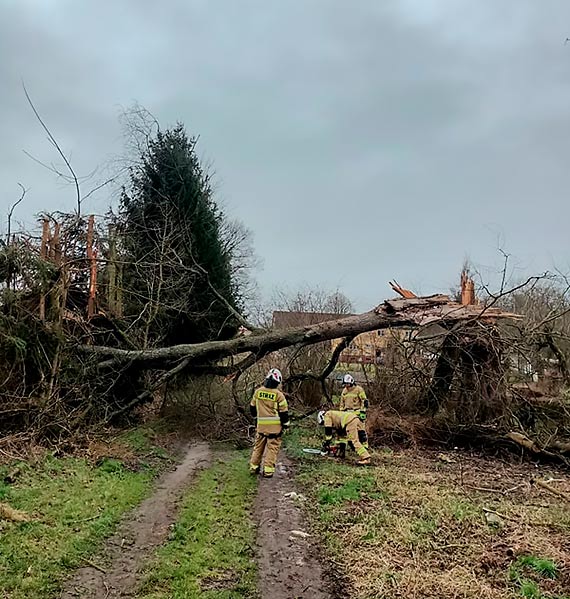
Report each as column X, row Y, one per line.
column 531, row 565
column 302, row 435
column 544, row 567
column 74, row 506
column 351, row 490
column 463, row 510
column 210, row 553
column 529, row 590
column 423, row 527
column 142, row 439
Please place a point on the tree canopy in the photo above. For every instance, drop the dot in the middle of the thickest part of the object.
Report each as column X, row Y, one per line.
column 178, row 266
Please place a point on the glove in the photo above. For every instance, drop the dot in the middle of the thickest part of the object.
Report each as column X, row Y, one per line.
column 326, row 446
column 362, row 416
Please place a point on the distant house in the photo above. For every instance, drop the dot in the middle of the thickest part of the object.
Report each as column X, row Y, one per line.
column 286, row 319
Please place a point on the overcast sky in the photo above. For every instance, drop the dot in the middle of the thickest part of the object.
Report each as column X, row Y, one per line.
column 360, row 141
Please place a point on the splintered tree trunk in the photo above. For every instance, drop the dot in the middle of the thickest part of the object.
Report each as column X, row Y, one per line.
column 43, row 256
column 92, row 258
column 439, row 390
column 112, row 272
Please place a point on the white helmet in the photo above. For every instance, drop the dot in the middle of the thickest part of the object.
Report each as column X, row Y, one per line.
column 321, row 417
column 348, row 379
column 275, row 375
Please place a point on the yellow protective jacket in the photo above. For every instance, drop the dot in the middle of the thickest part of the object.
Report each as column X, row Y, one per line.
column 353, row 399
column 270, row 408
column 346, row 425
column 335, row 419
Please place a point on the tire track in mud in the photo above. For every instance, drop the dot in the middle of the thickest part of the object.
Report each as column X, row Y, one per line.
column 289, row 560
column 134, row 543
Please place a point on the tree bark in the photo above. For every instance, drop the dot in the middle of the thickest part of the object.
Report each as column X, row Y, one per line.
column 440, row 386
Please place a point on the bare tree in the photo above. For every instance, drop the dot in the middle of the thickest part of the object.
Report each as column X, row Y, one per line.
column 309, row 366
column 311, row 299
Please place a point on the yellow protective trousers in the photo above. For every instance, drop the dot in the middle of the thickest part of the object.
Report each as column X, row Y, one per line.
column 352, row 433
column 362, row 436
column 268, row 444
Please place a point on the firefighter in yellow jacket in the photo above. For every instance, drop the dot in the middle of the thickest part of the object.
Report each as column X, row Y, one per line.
column 269, row 407
column 353, row 399
column 345, row 424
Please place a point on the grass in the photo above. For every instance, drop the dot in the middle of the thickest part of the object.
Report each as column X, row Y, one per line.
column 526, row 565
column 351, row 490
column 529, row 590
column 74, row 505
column 543, row 567
column 142, row 439
column 412, row 526
column 210, row 553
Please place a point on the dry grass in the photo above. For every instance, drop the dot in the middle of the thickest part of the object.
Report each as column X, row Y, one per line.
column 420, row 524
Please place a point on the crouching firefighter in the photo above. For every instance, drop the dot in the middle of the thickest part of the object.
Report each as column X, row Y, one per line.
column 353, row 399
column 269, row 407
column 345, row 425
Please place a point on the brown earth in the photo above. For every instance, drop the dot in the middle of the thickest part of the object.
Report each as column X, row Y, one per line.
column 444, row 525
column 114, row 573
column 289, row 560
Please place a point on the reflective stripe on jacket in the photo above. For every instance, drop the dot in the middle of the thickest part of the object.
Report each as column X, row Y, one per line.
column 268, row 404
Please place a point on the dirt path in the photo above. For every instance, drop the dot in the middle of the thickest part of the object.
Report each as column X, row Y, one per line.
column 136, row 539
column 289, row 566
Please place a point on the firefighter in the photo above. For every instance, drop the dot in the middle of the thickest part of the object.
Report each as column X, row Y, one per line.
column 345, row 424
column 269, row 407
column 353, row 399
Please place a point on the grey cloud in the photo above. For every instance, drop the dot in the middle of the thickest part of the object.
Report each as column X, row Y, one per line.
column 359, row 141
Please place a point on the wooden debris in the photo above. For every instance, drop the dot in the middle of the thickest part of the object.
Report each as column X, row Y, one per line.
column 530, row 445
column 405, row 293
column 206, row 357
column 9, row 513
column 547, row 487
column 94, row 565
column 523, row 441
column 468, row 297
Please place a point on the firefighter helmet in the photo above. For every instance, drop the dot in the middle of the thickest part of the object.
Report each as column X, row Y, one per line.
column 321, row 417
column 275, row 375
column 348, row 379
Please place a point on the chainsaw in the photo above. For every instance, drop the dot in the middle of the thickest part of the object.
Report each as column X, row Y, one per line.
column 331, row 452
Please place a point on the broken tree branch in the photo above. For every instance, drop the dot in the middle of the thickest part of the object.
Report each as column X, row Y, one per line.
column 303, row 376
column 550, row 489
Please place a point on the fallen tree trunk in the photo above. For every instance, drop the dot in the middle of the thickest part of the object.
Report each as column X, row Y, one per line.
column 205, row 357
